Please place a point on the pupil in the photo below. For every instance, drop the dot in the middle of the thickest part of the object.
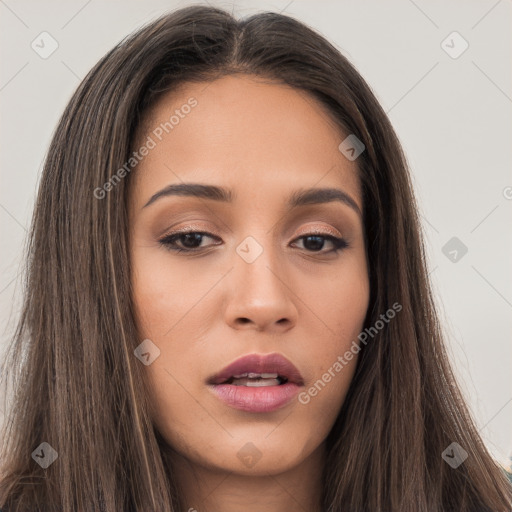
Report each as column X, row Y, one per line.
column 319, row 242
column 191, row 237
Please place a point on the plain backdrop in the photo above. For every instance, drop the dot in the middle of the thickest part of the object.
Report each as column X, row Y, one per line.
column 451, row 109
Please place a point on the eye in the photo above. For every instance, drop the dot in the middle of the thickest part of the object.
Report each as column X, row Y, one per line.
column 315, row 242
column 191, row 241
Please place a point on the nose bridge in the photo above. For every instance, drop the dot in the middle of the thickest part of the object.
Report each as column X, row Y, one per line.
column 258, row 262
column 259, row 293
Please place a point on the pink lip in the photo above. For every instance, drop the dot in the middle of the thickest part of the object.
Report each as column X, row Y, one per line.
column 257, row 399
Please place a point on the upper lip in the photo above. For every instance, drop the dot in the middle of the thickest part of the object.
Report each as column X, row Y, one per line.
column 256, row 363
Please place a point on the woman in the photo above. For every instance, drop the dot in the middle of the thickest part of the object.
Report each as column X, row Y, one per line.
column 188, row 340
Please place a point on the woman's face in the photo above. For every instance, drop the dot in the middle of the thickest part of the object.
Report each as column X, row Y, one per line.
column 250, row 281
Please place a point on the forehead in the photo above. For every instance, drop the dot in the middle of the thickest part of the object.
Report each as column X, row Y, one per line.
column 257, row 137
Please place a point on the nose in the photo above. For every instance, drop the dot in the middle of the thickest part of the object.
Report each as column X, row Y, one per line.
column 260, row 295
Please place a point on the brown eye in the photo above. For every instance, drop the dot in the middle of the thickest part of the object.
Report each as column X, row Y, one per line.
column 190, row 241
column 315, row 242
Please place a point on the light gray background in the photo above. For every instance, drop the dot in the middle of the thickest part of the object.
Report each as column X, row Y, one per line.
column 452, row 116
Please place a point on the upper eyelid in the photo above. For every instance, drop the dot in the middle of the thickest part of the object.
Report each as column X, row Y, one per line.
column 195, row 228
column 309, row 232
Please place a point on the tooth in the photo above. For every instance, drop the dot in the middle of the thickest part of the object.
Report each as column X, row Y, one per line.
column 261, row 383
column 254, row 375
column 255, row 383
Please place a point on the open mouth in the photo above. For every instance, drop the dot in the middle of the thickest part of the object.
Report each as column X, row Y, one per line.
column 256, row 380
column 257, row 383
column 255, row 370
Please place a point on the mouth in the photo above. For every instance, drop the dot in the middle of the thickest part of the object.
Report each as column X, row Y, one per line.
column 256, row 380
column 259, row 370
column 257, row 383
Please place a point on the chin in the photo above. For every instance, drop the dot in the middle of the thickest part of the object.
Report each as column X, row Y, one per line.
column 257, row 455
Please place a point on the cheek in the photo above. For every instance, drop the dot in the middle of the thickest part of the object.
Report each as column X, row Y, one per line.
column 336, row 303
column 332, row 347
column 333, row 362
column 164, row 293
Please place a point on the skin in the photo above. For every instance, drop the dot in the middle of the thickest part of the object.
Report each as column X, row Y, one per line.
column 204, row 310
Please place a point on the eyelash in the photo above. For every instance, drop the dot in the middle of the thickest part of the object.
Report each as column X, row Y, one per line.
column 169, row 241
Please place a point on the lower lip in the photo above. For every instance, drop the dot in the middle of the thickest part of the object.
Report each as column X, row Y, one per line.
column 256, row 399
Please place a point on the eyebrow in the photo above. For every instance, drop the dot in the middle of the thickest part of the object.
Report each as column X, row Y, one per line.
column 298, row 198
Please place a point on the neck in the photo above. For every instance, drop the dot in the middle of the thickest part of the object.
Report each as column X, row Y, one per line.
column 207, row 489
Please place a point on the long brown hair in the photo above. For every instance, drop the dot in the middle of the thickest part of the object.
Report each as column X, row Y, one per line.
column 76, row 382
